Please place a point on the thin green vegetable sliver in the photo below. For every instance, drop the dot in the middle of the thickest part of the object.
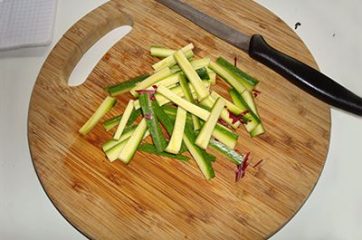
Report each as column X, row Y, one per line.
column 152, row 122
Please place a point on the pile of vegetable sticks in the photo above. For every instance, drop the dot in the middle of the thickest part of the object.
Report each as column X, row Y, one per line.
column 179, row 110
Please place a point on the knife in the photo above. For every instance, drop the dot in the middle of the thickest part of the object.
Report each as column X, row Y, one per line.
column 305, row 77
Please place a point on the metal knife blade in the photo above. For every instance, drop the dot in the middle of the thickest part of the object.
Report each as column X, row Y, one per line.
column 210, row 24
column 300, row 74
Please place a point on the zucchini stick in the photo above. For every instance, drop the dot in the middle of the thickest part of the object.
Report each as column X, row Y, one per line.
column 151, row 80
column 249, row 101
column 112, row 122
column 125, row 117
column 244, row 78
column 192, row 134
column 131, row 146
column 161, row 52
column 168, row 81
column 175, row 142
column 192, row 108
column 212, row 76
column 230, row 153
column 123, row 87
column 196, row 64
column 166, row 121
column 198, row 154
column 248, row 98
column 191, row 75
column 209, row 102
column 170, row 60
column 188, row 95
column 204, row 136
column 229, row 105
column 251, row 119
column 161, row 99
column 127, row 133
column 105, row 106
column 152, row 122
column 113, row 153
column 227, row 77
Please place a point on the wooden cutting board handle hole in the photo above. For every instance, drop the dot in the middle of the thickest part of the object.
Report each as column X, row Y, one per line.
column 90, row 59
column 76, row 42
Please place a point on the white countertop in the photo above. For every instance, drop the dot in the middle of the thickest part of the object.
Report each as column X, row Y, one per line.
column 332, row 31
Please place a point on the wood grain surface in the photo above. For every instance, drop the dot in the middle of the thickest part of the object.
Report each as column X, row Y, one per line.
column 156, row 197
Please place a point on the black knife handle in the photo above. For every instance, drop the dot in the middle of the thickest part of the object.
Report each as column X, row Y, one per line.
column 304, row 76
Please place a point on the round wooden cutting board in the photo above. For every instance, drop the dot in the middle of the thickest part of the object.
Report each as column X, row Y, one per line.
column 160, row 198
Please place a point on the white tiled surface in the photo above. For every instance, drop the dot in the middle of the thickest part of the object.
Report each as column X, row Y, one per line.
column 332, row 212
column 26, row 23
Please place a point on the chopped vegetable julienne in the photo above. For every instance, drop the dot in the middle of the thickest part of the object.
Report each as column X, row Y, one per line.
column 186, row 81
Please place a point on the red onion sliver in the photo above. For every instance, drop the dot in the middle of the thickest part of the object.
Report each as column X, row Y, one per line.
column 256, row 92
column 222, row 122
column 258, row 163
column 146, row 91
column 241, row 168
column 237, row 118
column 152, row 97
column 148, row 116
